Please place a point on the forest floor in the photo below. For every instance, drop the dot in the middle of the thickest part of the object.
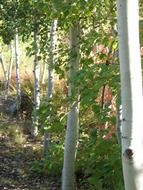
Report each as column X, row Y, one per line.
column 17, row 153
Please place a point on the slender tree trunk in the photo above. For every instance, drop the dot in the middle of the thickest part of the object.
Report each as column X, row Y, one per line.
column 131, row 94
column 50, row 76
column 5, row 73
column 68, row 178
column 10, row 66
column 18, row 90
column 36, row 86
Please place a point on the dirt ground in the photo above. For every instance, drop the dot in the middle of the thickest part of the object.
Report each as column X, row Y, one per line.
column 17, row 152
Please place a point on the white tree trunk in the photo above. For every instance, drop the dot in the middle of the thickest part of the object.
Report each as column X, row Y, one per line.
column 10, row 66
column 36, row 86
column 17, row 71
column 5, row 73
column 131, row 94
column 53, row 38
column 68, row 178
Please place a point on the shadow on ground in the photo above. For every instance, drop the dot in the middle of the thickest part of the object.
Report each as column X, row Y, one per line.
column 17, row 152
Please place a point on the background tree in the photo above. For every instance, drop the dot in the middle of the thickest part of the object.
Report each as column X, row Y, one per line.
column 68, row 179
column 52, row 54
column 17, row 60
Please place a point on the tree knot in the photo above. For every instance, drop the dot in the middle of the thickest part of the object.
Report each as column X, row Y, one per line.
column 128, row 154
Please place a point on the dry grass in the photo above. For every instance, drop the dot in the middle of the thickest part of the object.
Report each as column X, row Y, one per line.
column 14, row 132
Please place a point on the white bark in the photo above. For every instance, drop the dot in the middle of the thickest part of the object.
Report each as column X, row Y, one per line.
column 118, row 124
column 10, row 66
column 131, row 94
column 36, row 86
column 53, row 38
column 68, row 178
column 17, row 71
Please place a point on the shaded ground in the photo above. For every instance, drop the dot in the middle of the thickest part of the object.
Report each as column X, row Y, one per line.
column 17, row 152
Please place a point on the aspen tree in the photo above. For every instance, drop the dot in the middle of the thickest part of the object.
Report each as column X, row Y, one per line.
column 131, row 94
column 36, row 85
column 53, row 38
column 68, row 178
column 17, row 70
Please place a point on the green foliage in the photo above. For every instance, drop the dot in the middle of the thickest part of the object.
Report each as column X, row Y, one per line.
column 52, row 114
column 98, row 155
column 54, row 159
column 100, row 161
column 51, row 165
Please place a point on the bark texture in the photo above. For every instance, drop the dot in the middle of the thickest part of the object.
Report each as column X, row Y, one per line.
column 68, row 178
column 36, row 85
column 53, row 38
column 131, row 94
